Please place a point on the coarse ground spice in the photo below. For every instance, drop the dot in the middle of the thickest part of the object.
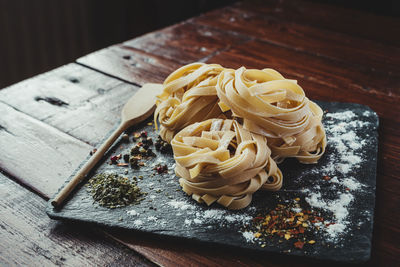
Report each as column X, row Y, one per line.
column 113, row 191
column 288, row 222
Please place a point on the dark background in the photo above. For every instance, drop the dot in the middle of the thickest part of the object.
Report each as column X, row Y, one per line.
column 39, row 35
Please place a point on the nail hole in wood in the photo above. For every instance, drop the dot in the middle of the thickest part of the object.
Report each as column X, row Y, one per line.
column 126, row 57
column 73, row 80
column 51, row 100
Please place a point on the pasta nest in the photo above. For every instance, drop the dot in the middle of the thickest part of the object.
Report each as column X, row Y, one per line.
column 220, row 161
column 276, row 108
column 189, row 96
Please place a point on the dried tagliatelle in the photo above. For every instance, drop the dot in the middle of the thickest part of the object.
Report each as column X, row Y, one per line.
column 189, row 96
column 276, row 108
column 220, row 161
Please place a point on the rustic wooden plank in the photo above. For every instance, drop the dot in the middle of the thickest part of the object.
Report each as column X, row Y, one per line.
column 362, row 54
column 186, row 42
column 382, row 29
column 315, row 87
column 130, row 64
column 86, row 108
column 93, row 120
column 319, row 69
column 57, row 91
column 183, row 253
column 35, row 153
column 28, row 237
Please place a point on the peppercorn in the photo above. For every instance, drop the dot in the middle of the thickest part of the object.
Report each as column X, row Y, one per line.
column 114, row 159
column 161, row 168
column 143, row 134
column 142, row 151
column 125, row 138
column 148, row 141
column 126, row 157
column 166, row 148
column 150, row 153
column 134, row 162
column 135, row 150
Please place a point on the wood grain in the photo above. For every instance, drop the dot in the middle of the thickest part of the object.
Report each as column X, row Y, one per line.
column 28, row 237
column 359, row 53
column 94, row 101
column 35, row 153
column 380, row 29
column 334, row 53
column 130, row 65
column 186, row 43
column 183, row 253
column 71, row 84
column 92, row 121
column 325, row 71
column 320, row 78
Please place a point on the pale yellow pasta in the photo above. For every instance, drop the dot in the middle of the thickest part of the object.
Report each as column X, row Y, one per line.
column 189, row 96
column 220, row 161
column 276, row 108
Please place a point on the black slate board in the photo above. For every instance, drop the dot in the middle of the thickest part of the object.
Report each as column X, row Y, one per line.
column 168, row 211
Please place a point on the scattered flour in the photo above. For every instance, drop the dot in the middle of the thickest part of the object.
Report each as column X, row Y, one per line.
column 180, row 205
column 341, row 129
column 152, row 218
column 249, row 236
column 138, row 222
column 132, row 212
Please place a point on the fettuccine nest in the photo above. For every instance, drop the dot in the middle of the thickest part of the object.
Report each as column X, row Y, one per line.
column 234, row 125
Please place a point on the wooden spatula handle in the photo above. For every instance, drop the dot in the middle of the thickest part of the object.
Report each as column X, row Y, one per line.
column 63, row 194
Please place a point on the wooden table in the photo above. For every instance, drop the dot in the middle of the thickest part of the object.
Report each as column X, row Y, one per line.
column 49, row 123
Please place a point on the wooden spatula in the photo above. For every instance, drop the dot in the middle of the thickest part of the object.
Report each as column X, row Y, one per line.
column 140, row 106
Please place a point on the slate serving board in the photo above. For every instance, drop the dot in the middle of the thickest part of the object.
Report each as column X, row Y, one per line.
column 168, row 211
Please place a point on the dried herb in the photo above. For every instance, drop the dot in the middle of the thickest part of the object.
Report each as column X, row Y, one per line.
column 114, row 191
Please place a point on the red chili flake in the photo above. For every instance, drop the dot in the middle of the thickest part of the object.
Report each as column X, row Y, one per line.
column 282, row 222
column 114, row 158
column 272, row 224
column 326, row 178
column 299, row 244
column 347, row 189
column 122, row 164
column 328, row 224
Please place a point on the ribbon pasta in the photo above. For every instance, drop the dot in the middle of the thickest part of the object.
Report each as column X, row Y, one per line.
column 276, row 108
column 220, row 161
column 189, row 96
column 225, row 160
